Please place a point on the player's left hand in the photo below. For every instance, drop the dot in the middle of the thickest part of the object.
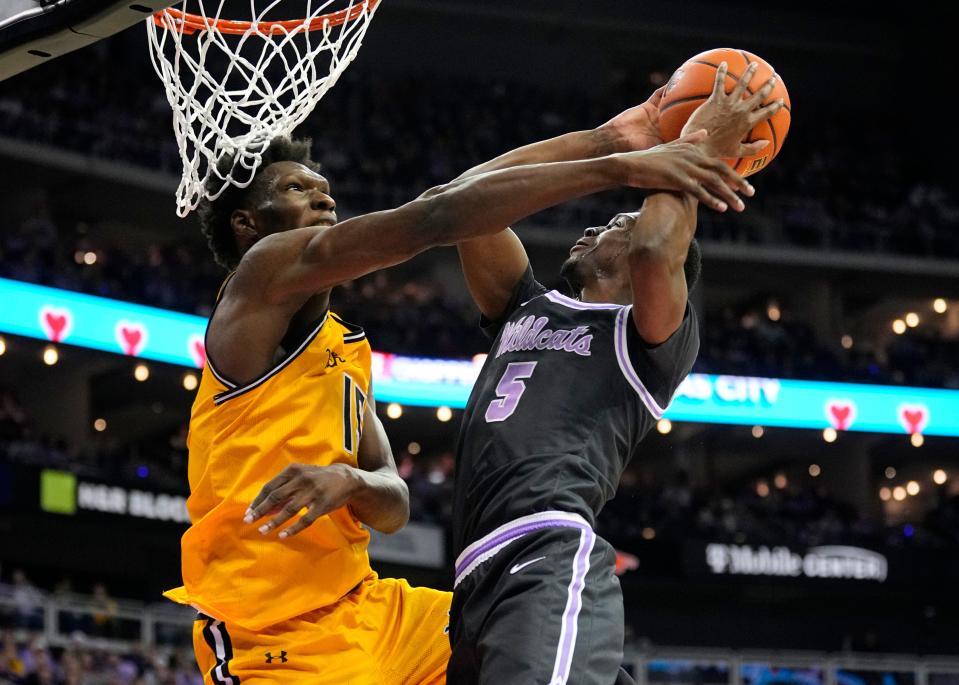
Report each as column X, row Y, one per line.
column 638, row 127
column 730, row 117
column 318, row 489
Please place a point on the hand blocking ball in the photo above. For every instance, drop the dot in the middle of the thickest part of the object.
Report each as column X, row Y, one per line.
column 691, row 85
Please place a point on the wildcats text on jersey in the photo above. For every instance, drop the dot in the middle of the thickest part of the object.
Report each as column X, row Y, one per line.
column 530, row 333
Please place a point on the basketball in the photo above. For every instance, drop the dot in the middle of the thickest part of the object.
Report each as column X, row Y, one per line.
column 691, row 85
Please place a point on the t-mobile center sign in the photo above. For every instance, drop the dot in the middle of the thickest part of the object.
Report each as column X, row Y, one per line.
column 832, row 561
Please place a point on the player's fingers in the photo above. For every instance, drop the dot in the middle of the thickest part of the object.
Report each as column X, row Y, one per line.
column 732, row 179
column 722, row 182
column 718, row 186
column 303, row 522
column 766, row 112
column 697, row 190
column 657, row 96
column 750, row 149
column 740, row 89
column 289, row 510
column 272, row 495
column 760, row 95
column 719, row 85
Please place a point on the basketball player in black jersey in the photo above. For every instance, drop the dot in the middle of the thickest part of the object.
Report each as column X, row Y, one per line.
column 569, row 389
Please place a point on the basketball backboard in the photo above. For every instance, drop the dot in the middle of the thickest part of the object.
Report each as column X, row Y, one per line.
column 35, row 31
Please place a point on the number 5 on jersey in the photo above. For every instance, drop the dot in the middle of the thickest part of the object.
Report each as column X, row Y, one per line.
column 510, row 389
column 353, row 399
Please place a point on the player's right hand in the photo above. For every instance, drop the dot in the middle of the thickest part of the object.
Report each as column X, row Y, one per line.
column 318, row 489
column 637, row 128
column 685, row 166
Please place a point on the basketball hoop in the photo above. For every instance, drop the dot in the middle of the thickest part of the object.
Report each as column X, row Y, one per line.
column 234, row 85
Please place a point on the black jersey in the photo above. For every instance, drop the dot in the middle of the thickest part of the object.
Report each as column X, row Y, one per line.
column 565, row 396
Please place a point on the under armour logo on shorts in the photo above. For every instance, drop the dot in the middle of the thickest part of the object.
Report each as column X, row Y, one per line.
column 281, row 657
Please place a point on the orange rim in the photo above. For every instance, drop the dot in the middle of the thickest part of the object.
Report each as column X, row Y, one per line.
column 173, row 18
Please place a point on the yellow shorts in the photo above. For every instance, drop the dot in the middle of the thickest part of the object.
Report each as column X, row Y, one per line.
column 383, row 633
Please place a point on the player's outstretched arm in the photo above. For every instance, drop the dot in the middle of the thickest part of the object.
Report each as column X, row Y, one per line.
column 374, row 492
column 662, row 231
column 493, row 264
column 291, row 265
column 635, row 129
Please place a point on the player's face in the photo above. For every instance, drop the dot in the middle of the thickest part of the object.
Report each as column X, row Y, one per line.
column 602, row 249
column 293, row 197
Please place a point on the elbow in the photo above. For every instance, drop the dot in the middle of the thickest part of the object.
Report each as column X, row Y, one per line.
column 665, row 242
column 396, row 525
column 649, row 247
column 400, row 511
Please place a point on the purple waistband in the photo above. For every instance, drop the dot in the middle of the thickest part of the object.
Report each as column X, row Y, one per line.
column 511, row 531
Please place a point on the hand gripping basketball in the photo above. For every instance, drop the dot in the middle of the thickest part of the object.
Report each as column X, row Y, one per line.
column 696, row 81
column 729, row 117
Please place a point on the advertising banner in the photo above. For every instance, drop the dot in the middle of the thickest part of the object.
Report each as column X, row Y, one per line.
column 59, row 316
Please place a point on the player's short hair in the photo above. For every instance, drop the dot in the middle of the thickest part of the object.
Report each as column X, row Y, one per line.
column 694, row 265
column 215, row 215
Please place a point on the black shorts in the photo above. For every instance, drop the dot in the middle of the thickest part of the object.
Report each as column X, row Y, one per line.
column 537, row 602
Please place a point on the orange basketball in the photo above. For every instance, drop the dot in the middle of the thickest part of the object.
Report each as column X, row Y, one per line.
column 692, row 84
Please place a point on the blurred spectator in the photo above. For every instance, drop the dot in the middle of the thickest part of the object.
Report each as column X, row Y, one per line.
column 69, row 621
column 28, row 602
column 33, row 662
column 104, row 618
column 12, row 668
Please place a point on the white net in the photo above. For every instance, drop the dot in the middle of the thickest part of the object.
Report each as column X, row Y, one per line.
column 235, row 85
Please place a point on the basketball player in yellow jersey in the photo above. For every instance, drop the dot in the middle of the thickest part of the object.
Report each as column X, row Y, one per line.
column 283, row 425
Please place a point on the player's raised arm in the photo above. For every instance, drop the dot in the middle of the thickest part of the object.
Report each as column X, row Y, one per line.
column 295, row 264
column 493, row 264
column 661, row 232
column 632, row 130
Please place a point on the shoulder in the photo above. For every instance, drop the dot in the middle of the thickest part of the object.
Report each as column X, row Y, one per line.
column 655, row 371
column 268, row 257
column 276, row 246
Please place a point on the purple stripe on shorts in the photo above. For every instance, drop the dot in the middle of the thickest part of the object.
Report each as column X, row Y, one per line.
column 574, row 603
column 511, row 534
column 487, row 546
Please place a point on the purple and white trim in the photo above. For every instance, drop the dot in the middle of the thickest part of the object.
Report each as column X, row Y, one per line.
column 626, row 366
column 487, row 547
column 574, row 602
column 559, row 298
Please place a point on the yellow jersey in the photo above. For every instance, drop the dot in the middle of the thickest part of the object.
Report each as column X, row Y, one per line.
column 309, row 408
